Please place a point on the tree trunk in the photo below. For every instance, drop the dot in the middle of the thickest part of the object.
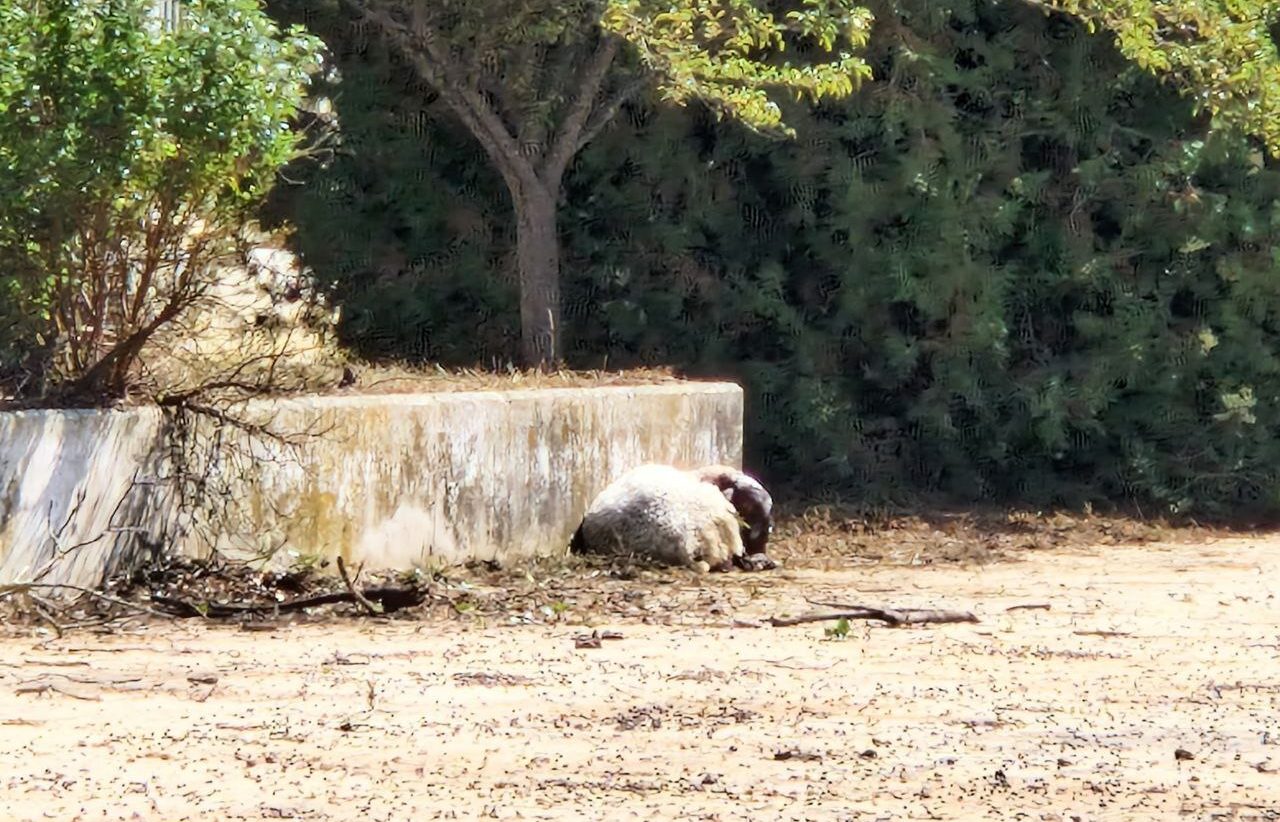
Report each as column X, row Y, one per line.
column 108, row 378
column 538, row 258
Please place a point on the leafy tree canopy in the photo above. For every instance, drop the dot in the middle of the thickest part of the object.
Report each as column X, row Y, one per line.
column 1221, row 53
column 534, row 81
column 711, row 51
column 1014, row 265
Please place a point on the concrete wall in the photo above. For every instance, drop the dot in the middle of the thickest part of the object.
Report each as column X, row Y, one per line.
column 392, row 481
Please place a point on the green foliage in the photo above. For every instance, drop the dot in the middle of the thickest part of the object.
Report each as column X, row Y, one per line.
column 839, row 631
column 535, row 81
column 130, row 154
column 730, row 53
column 1221, row 53
column 992, row 274
column 1013, row 266
column 406, row 224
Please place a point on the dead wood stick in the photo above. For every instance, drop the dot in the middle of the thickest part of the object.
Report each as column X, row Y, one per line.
column 45, row 612
column 183, row 608
column 904, row 615
column 894, row 616
column 26, row 587
column 1030, row 606
column 390, row 597
column 89, row 680
column 41, row 686
column 373, row 610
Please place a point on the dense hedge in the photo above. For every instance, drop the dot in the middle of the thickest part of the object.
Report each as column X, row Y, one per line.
column 117, row 138
column 1011, row 267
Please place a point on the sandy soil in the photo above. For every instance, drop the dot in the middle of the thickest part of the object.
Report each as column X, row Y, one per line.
column 1075, row 712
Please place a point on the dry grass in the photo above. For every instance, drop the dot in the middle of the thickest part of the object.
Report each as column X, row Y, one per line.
column 392, row 378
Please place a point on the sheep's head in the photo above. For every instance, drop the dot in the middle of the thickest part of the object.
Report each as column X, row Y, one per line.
column 750, row 499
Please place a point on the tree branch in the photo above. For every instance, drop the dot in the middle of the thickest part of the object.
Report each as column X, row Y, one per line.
column 359, row 597
column 606, row 113
column 567, row 141
column 386, row 598
column 435, row 67
column 555, row 74
column 890, row 616
column 23, row 587
column 511, row 104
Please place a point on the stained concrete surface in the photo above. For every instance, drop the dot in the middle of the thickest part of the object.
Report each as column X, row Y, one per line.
column 391, row 481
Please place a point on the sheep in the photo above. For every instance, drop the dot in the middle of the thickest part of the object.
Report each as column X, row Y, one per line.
column 749, row 498
column 682, row 518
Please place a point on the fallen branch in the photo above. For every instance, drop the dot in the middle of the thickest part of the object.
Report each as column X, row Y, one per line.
column 373, row 610
column 389, row 598
column 28, row 587
column 42, row 686
column 1030, row 606
column 890, row 616
column 45, row 612
column 89, row 680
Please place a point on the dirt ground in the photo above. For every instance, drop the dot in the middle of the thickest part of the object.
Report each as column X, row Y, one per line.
column 1147, row 690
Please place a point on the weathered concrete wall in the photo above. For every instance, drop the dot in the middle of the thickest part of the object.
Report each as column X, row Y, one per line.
column 68, row 498
column 391, row 481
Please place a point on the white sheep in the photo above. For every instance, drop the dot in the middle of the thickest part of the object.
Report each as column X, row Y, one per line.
column 663, row 514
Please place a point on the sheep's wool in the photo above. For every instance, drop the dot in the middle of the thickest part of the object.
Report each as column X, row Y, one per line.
column 664, row 514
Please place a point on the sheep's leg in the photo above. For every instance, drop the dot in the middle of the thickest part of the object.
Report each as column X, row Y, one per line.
column 723, row 567
column 755, row 562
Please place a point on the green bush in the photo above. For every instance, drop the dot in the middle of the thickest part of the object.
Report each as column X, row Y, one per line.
column 131, row 155
column 1011, row 267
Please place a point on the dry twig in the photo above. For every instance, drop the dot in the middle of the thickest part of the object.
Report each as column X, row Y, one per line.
column 890, row 616
column 28, row 587
column 41, row 686
column 389, row 598
column 373, row 610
